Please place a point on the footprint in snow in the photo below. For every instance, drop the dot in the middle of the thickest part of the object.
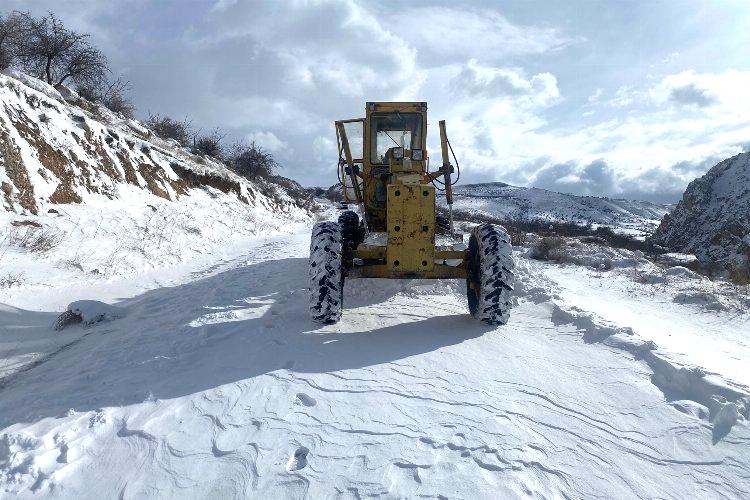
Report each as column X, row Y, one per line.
column 298, row 460
column 306, row 400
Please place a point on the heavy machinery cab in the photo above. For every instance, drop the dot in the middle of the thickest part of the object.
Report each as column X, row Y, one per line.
column 383, row 166
column 395, row 131
column 387, row 146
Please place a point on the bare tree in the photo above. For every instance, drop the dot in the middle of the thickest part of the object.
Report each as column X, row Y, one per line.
column 251, row 161
column 11, row 29
column 50, row 51
column 169, row 128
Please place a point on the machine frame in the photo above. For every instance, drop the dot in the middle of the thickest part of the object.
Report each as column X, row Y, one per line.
column 408, row 216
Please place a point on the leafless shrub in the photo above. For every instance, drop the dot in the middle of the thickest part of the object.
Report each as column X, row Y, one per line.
column 72, row 263
column 517, row 236
column 210, row 144
column 550, row 248
column 739, row 274
column 110, row 94
column 66, row 319
column 35, row 240
column 251, row 161
column 169, row 128
column 11, row 280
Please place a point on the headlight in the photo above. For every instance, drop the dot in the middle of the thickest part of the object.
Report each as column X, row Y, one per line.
column 397, row 153
column 416, row 154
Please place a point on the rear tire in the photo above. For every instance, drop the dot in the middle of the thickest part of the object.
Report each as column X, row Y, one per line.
column 326, row 273
column 442, row 224
column 349, row 222
column 489, row 274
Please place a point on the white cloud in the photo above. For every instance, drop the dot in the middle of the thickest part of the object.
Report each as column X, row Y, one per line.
column 324, row 149
column 268, row 141
column 624, row 96
column 633, row 150
column 728, row 90
column 594, row 98
column 446, row 33
column 498, row 83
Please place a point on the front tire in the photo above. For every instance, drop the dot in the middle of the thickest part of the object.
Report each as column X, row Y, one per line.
column 326, row 273
column 489, row 274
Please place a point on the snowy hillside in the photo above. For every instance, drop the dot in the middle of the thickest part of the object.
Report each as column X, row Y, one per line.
column 713, row 218
column 89, row 196
column 533, row 204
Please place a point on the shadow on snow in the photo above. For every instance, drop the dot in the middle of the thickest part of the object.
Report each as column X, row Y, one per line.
column 237, row 325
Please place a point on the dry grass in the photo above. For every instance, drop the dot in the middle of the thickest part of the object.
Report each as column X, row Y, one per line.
column 739, row 274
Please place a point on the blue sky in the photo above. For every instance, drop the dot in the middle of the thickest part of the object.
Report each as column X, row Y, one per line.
column 626, row 99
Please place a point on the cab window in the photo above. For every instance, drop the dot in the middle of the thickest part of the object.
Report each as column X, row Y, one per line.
column 391, row 130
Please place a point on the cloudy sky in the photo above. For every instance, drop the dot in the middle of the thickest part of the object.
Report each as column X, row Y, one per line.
column 620, row 98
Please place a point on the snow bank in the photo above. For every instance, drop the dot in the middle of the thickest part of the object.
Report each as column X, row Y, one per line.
column 57, row 153
column 726, row 403
column 34, row 83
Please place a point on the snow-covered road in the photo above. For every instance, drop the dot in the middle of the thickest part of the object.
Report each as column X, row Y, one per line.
column 221, row 387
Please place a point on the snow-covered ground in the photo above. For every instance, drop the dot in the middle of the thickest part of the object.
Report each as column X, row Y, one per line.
column 682, row 313
column 115, row 248
column 219, row 386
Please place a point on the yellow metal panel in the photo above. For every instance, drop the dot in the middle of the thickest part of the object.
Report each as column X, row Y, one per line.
column 376, row 213
column 411, row 227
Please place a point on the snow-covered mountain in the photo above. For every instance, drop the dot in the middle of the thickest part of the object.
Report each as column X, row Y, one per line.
column 712, row 220
column 532, row 204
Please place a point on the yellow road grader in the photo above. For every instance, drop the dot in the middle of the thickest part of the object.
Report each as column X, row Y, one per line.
column 384, row 169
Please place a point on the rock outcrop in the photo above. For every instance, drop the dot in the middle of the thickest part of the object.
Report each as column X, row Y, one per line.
column 713, row 219
column 54, row 152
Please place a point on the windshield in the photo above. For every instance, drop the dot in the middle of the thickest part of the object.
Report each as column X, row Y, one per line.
column 390, row 130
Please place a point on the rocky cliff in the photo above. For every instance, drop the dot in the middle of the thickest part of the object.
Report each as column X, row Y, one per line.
column 713, row 219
